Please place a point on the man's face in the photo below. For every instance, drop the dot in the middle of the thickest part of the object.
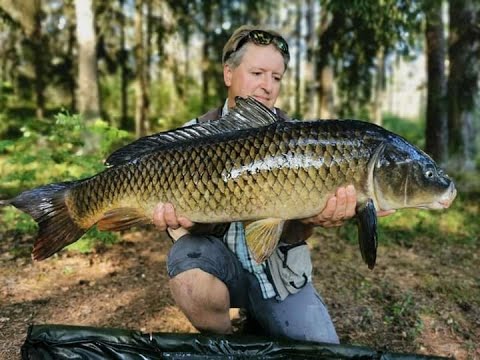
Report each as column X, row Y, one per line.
column 258, row 75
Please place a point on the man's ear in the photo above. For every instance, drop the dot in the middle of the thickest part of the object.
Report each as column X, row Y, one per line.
column 227, row 75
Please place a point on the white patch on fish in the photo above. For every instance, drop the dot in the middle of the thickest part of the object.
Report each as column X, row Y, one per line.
column 290, row 160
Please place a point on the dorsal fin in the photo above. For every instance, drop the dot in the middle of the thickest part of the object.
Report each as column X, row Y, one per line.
column 248, row 113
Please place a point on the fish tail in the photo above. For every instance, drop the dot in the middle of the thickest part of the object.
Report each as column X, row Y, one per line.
column 47, row 206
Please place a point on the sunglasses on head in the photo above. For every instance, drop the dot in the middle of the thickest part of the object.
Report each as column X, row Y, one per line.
column 260, row 37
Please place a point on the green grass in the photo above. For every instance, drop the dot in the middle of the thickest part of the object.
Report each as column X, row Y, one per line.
column 457, row 225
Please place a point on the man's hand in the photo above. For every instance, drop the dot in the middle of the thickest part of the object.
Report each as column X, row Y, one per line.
column 165, row 218
column 339, row 208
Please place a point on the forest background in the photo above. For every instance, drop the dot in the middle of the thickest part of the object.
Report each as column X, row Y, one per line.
column 80, row 78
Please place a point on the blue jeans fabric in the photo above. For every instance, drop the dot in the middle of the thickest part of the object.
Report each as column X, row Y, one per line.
column 301, row 316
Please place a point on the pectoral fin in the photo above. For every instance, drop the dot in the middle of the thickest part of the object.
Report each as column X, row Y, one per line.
column 367, row 232
column 262, row 237
column 122, row 219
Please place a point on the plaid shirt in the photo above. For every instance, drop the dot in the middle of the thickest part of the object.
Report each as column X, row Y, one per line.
column 234, row 238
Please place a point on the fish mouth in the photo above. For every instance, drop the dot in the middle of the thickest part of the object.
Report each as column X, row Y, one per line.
column 445, row 201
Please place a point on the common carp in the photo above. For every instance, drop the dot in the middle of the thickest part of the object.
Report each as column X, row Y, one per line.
column 249, row 167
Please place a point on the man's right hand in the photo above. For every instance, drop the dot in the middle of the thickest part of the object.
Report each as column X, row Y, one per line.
column 166, row 219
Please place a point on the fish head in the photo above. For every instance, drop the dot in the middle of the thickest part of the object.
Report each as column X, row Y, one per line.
column 406, row 177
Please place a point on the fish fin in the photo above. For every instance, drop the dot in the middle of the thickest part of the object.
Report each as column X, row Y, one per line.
column 367, row 232
column 262, row 237
column 122, row 219
column 47, row 206
column 248, row 113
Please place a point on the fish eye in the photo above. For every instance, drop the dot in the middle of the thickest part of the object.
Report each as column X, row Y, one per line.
column 429, row 174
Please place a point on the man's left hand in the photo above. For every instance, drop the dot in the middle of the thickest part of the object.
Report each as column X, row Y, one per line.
column 339, row 208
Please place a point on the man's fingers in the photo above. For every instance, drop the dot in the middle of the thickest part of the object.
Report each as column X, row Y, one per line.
column 159, row 217
column 171, row 216
column 351, row 201
column 184, row 222
column 329, row 209
column 340, row 210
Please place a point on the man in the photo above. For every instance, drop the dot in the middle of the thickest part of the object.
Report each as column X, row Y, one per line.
column 210, row 274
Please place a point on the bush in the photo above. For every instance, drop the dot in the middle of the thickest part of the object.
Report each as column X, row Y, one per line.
column 52, row 151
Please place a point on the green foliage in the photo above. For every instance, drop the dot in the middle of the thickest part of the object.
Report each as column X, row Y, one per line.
column 14, row 219
column 174, row 111
column 52, row 151
column 413, row 131
column 358, row 33
column 91, row 239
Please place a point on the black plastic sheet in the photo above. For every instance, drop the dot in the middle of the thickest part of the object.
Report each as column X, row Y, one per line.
column 58, row 342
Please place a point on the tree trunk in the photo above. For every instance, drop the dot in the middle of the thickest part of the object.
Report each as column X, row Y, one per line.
column 311, row 102
column 141, row 105
column 463, row 50
column 88, row 92
column 70, row 54
column 148, row 62
column 298, row 34
column 379, row 92
column 324, row 68
column 436, row 132
column 38, row 47
column 123, row 58
column 207, row 15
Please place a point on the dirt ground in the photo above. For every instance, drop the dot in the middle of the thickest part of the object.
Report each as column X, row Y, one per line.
column 404, row 305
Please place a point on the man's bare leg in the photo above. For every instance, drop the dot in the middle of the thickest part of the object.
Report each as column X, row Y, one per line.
column 204, row 299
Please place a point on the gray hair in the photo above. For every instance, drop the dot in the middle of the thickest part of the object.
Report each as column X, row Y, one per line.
column 236, row 57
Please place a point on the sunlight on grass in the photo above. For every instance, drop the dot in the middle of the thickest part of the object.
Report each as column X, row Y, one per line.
column 457, row 225
column 91, row 238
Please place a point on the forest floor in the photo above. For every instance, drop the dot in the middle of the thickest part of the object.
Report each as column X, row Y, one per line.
column 414, row 301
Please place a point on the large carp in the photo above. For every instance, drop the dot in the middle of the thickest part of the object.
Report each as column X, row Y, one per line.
column 247, row 166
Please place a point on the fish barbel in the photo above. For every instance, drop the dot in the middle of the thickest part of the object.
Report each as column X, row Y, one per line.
column 247, row 166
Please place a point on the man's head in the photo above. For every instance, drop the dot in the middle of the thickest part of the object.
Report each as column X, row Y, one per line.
column 254, row 61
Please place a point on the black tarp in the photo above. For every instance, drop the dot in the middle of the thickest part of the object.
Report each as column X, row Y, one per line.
column 59, row 342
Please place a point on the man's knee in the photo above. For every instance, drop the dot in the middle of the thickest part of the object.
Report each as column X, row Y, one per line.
column 200, row 288
column 211, row 256
column 203, row 298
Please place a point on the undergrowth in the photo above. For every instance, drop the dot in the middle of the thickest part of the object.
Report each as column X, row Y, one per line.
column 52, row 151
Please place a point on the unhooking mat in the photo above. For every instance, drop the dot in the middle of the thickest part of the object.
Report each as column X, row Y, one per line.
column 62, row 342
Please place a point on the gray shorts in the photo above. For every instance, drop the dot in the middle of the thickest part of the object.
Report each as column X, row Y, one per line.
column 300, row 316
